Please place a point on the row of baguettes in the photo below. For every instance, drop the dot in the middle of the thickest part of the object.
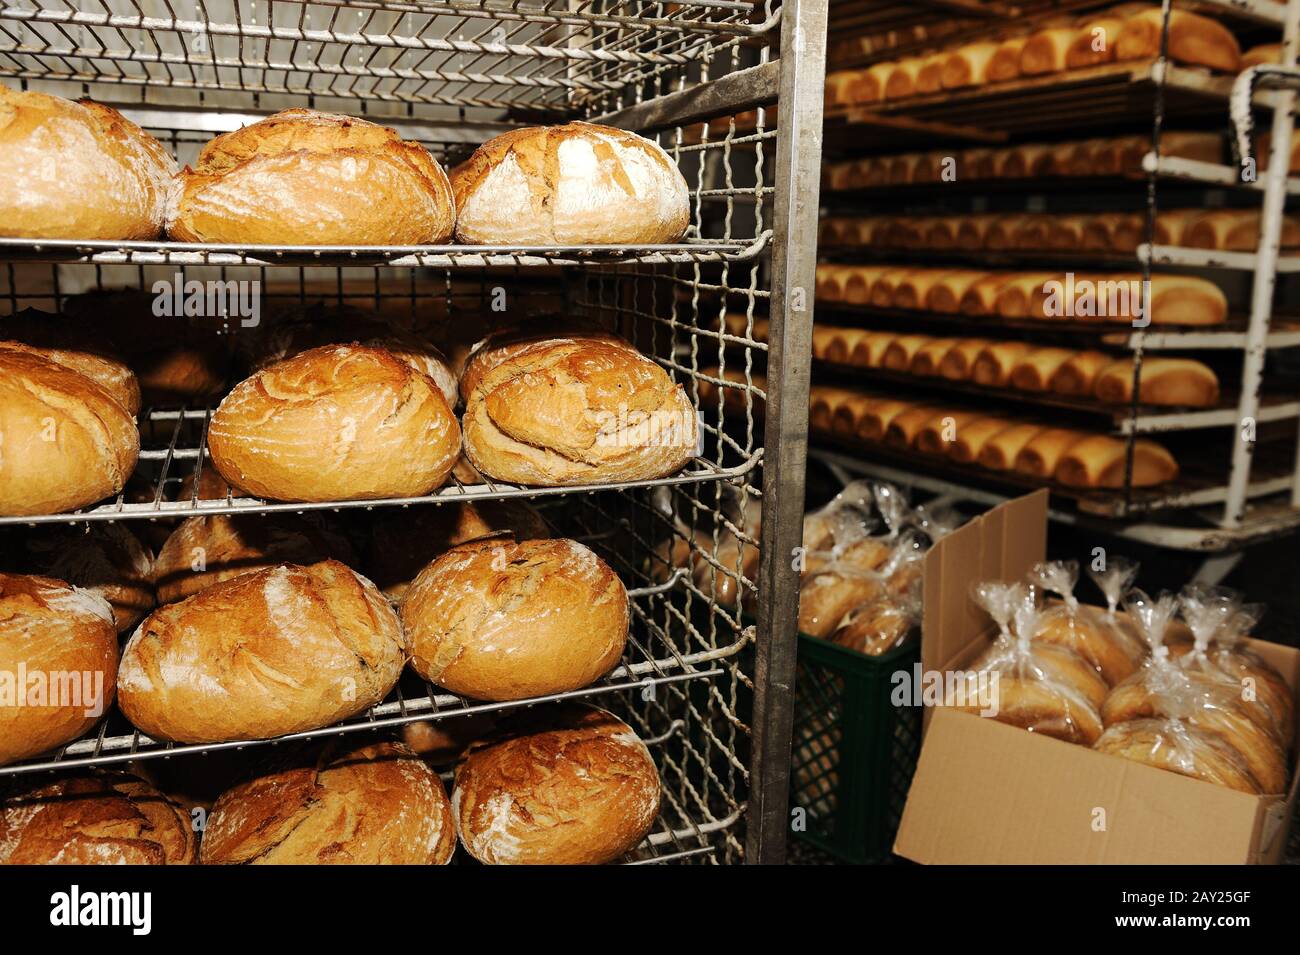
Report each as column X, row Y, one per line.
column 1104, row 156
column 1073, row 372
column 1229, row 230
column 1074, row 458
column 1130, row 31
column 1034, row 296
column 303, row 177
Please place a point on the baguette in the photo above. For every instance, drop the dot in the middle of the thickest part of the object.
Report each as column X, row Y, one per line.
column 945, row 295
column 1181, row 382
column 876, row 419
column 972, row 437
column 822, row 402
column 906, row 425
column 847, row 416
column 869, row 352
column 1098, row 461
column 1193, row 39
column 999, row 451
column 1078, row 376
column 968, row 65
column 1234, row 230
column 994, row 364
column 938, row 435
column 980, row 297
column 1035, row 370
column 959, row 360
column 898, row 356
column 1041, row 453
column 1045, row 51
column 1018, row 296
column 929, row 358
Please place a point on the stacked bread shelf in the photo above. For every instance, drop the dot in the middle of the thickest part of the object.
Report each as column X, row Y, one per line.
column 704, row 688
column 1216, row 507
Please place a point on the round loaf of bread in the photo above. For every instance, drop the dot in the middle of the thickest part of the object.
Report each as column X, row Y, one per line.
column 94, row 819
column 208, row 550
column 378, row 804
column 278, row 651
column 504, row 343
column 306, row 178
column 105, row 559
column 404, row 542
column 561, row 785
column 575, row 184
column 335, row 423
column 78, row 171
column 1180, row 749
column 62, row 639
column 1086, row 635
column 79, row 349
column 499, row 619
column 576, row 412
column 65, row 442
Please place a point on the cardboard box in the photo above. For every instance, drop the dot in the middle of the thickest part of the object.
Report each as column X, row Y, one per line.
column 986, row 792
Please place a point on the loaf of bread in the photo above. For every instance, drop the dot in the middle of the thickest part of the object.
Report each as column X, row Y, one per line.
column 1192, row 752
column 1234, row 230
column 958, row 361
column 560, row 785
column 499, row 619
column 65, row 442
column 838, row 86
column 968, row 65
column 1261, row 55
column 1095, row 41
column 277, row 651
column 1078, row 375
column 302, row 177
column 868, row 86
column 1193, row 39
column 822, row 404
column 79, row 349
column 938, row 435
column 847, row 418
column 1098, row 461
column 1033, row 371
column 1045, row 51
column 971, row 438
column 1089, row 637
column 902, row 350
column 574, row 412
column 874, row 420
column 575, row 184
column 376, row 804
column 340, row 422
column 980, row 297
column 102, row 558
column 505, row 343
column 836, row 344
column 927, row 360
column 869, row 351
column 901, row 82
column 94, row 818
column 214, row 548
column 1040, row 455
column 50, row 630
column 78, row 171
column 1005, row 62
column 994, row 364
column 903, row 427
column 1165, row 381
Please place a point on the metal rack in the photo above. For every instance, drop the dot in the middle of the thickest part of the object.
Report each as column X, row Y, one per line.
column 704, row 682
column 1256, row 494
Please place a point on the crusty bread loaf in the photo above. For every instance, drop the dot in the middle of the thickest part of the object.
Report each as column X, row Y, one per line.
column 499, row 619
column 78, row 349
column 50, row 630
column 1095, row 41
column 836, row 344
column 938, row 435
column 968, row 65
column 903, row 427
column 1234, row 230
column 980, row 297
column 65, row 442
column 875, row 419
column 376, row 804
column 94, row 818
column 1041, row 453
column 102, row 558
column 1078, row 375
column 335, row 423
column 995, row 362
column 302, row 177
column 214, row 548
column 1000, row 450
column 929, row 78
column 559, row 785
column 959, row 360
column 1035, row 369
column 575, row 184
column 930, row 356
column 898, row 356
column 573, row 412
column 868, row 86
column 1045, row 51
column 1165, row 381
column 972, row 437
column 278, row 651
column 901, row 81
column 1193, row 39
column 1193, row 752
column 1005, row 62
column 869, row 351
column 78, row 171
column 1099, row 461
column 403, row 543
column 504, row 343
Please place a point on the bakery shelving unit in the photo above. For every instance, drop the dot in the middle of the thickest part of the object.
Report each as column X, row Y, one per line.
column 1240, row 492
column 707, row 687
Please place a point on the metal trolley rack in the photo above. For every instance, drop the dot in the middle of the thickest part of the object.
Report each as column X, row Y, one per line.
column 707, row 687
column 1241, row 483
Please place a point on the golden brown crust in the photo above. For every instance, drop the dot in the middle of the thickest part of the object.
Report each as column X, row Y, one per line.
column 278, row 651
column 103, row 558
column 504, row 343
column 563, row 785
column 378, row 804
column 1192, row 752
column 94, row 819
column 498, row 619
column 303, row 177
column 80, row 350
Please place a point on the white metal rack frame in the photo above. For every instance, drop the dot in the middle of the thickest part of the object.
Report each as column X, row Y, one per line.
column 705, row 681
column 1242, row 504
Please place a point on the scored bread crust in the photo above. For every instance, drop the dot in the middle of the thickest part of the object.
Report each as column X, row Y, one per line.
column 99, row 818
column 278, row 651
column 498, row 619
column 575, row 184
column 65, row 442
column 80, row 350
column 303, row 177
column 378, row 804
column 47, row 626
column 78, row 171
column 571, row 412
column 565, row 785
column 340, row 422
column 504, row 343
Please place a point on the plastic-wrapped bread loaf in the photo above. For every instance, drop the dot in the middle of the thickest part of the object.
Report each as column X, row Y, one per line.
column 1045, row 51
column 869, row 352
column 959, row 360
column 1234, row 230
column 1041, row 453
column 1035, row 369
column 972, row 437
column 1098, row 461
column 926, row 362
column 1193, row 40
column 1005, row 62
column 1078, row 375
column 995, row 362
column 1187, row 751
column 1182, row 382
column 968, row 65
column 898, row 356
column 938, row 434
column 999, row 451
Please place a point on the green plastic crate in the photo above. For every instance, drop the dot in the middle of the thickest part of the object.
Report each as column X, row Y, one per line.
column 853, row 752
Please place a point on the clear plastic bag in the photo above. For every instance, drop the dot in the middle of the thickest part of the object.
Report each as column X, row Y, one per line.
column 1085, row 630
column 1043, row 688
column 881, row 625
column 1179, row 748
